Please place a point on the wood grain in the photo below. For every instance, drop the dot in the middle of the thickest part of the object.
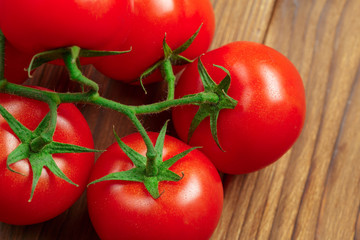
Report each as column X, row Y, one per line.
column 313, row 191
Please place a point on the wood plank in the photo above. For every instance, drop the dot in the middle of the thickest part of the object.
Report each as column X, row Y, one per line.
column 241, row 20
column 290, row 199
column 328, row 59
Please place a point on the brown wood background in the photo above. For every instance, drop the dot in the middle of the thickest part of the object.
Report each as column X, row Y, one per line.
column 313, row 192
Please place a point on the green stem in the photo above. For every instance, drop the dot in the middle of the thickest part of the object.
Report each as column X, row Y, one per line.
column 76, row 74
column 94, row 98
column 2, row 55
column 87, row 97
column 151, row 167
column 164, row 105
column 151, row 153
column 32, row 93
column 168, row 74
column 46, row 137
column 54, row 98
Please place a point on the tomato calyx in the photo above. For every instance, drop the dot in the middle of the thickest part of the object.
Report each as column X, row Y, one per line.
column 171, row 58
column 212, row 110
column 71, row 57
column 38, row 148
column 148, row 171
column 74, row 51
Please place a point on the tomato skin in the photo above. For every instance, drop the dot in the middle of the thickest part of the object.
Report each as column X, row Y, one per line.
column 54, row 24
column 269, row 115
column 151, row 20
column 188, row 209
column 15, row 64
column 52, row 195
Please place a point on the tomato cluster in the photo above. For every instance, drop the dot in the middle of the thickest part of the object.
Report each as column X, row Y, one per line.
column 267, row 120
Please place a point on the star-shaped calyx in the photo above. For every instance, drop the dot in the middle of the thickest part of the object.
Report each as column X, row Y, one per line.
column 140, row 172
column 212, row 110
column 38, row 156
column 73, row 52
column 172, row 57
column 71, row 57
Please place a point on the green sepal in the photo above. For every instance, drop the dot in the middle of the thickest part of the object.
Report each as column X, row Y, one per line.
column 100, row 53
column 20, row 130
column 212, row 110
column 58, row 147
column 172, row 55
column 134, row 175
column 18, row 154
column 76, row 52
column 167, row 50
column 179, row 60
column 137, row 159
column 187, row 44
column 152, row 185
column 43, row 125
column 159, row 145
column 40, row 160
column 44, row 57
column 167, row 175
column 139, row 173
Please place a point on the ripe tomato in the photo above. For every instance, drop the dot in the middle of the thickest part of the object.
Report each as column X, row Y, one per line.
column 179, row 19
column 187, row 209
column 39, row 25
column 269, row 115
column 52, row 195
column 15, row 64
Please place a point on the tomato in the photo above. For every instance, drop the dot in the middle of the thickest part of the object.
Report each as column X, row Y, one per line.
column 269, row 115
column 187, row 209
column 39, row 25
column 52, row 195
column 179, row 19
column 15, row 64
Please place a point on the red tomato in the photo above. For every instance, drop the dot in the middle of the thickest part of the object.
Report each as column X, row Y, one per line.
column 39, row 25
column 187, row 209
column 15, row 64
column 52, row 195
column 179, row 19
column 269, row 115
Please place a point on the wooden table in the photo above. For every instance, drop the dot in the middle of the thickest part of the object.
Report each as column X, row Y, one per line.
column 313, row 191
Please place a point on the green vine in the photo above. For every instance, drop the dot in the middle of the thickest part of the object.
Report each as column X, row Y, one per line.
column 150, row 168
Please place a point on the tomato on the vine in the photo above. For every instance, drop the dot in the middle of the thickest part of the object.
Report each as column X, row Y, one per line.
column 187, row 209
column 40, row 25
column 151, row 19
column 52, row 195
column 269, row 115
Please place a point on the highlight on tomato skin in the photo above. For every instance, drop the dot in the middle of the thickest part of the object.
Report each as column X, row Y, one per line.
column 57, row 24
column 187, row 209
column 152, row 19
column 269, row 115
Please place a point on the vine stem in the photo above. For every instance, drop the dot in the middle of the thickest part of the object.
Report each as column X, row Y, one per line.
column 92, row 97
column 168, row 74
column 74, row 71
column 46, row 137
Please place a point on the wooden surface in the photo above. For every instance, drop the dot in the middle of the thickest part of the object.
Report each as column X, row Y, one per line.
column 313, row 191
